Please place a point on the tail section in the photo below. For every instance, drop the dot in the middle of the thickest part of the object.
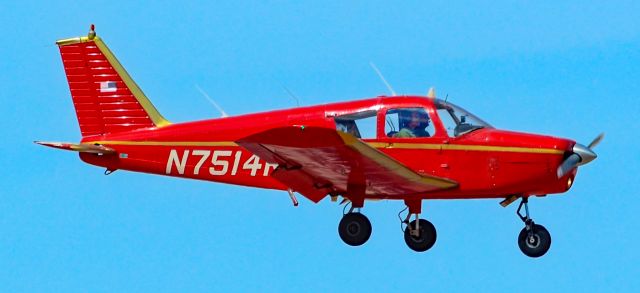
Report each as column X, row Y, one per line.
column 105, row 97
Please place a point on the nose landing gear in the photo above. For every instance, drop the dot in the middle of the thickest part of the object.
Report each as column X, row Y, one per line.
column 534, row 240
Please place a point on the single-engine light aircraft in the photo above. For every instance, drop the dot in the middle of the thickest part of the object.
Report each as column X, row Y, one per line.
column 409, row 148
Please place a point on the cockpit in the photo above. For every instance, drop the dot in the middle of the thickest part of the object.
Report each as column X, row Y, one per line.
column 412, row 121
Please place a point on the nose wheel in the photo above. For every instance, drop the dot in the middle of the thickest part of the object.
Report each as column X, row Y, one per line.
column 354, row 229
column 534, row 240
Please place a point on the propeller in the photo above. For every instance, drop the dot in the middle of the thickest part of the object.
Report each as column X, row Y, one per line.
column 596, row 140
column 581, row 155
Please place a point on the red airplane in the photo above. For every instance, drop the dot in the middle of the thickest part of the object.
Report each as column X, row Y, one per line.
column 408, row 148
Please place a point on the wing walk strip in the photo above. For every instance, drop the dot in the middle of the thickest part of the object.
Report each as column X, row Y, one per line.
column 378, row 145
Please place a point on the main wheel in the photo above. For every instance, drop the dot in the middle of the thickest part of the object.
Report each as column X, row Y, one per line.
column 535, row 244
column 354, row 229
column 426, row 237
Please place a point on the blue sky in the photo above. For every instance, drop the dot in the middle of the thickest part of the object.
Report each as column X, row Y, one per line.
column 568, row 69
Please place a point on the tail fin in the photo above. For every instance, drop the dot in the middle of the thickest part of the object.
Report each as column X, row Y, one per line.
column 105, row 97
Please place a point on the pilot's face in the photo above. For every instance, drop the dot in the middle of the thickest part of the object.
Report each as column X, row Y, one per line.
column 415, row 120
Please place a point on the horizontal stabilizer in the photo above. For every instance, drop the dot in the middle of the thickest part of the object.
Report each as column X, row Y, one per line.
column 82, row 148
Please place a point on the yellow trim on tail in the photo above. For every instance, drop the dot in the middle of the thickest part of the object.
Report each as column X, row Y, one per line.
column 71, row 41
column 155, row 116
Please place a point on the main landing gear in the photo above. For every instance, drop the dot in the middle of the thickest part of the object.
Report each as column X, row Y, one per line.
column 534, row 240
column 354, row 228
column 420, row 235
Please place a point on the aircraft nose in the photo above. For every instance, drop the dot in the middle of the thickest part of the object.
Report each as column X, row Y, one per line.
column 586, row 154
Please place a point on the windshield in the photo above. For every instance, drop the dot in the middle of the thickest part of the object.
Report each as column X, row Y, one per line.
column 458, row 121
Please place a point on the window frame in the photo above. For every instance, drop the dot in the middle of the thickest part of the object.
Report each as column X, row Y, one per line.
column 382, row 108
column 351, row 116
column 428, row 106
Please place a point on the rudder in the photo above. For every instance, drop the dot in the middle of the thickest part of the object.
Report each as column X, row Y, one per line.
column 105, row 97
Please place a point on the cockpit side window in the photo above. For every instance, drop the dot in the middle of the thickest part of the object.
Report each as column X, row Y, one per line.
column 448, row 121
column 408, row 123
column 361, row 124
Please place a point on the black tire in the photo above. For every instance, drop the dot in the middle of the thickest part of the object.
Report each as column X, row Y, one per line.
column 354, row 229
column 425, row 240
column 538, row 245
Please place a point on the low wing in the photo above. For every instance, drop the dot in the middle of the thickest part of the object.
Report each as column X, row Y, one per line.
column 316, row 161
column 82, row 148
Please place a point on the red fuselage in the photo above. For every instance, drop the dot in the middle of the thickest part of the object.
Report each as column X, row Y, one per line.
column 486, row 163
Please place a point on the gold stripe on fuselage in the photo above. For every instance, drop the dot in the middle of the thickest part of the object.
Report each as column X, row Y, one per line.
column 378, row 145
column 463, row 147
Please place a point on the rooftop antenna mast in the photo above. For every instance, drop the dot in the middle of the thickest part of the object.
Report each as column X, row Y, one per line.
column 291, row 95
column 393, row 93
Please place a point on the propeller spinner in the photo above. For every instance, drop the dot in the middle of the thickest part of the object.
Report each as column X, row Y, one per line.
column 581, row 155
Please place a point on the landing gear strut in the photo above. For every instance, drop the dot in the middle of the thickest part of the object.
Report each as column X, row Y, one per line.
column 419, row 234
column 534, row 240
column 354, row 228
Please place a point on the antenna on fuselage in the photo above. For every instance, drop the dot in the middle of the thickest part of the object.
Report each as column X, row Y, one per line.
column 431, row 93
column 393, row 93
column 222, row 112
column 291, row 94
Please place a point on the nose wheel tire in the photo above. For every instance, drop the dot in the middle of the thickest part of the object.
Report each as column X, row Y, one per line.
column 422, row 239
column 534, row 243
column 354, row 229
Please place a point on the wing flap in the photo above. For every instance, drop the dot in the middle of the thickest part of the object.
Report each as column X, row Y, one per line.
column 303, row 183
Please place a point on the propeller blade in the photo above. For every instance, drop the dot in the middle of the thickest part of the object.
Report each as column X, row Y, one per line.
column 569, row 163
column 596, row 140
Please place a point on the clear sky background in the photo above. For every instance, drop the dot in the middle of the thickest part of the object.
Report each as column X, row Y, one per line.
column 568, row 69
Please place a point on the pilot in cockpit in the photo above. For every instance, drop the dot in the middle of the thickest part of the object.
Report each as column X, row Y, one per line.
column 413, row 123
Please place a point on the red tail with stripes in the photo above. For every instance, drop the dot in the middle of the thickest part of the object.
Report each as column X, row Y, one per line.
column 105, row 97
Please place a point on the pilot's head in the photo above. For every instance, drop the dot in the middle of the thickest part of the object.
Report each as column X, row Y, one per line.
column 415, row 119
